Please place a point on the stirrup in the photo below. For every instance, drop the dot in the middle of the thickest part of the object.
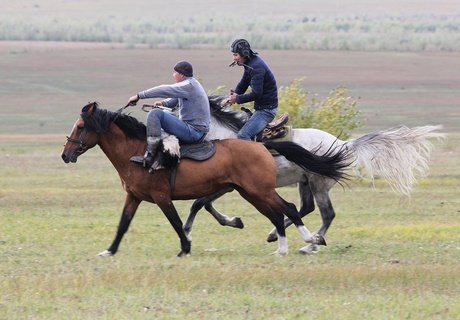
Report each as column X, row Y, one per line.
column 148, row 160
column 157, row 163
column 143, row 160
column 155, row 166
column 137, row 159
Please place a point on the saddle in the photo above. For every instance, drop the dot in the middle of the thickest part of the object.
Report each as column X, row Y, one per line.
column 275, row 130
column 198, row 151
column 171, row 151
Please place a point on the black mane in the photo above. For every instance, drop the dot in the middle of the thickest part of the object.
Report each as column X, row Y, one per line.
column 99, row 121
column 225, row 116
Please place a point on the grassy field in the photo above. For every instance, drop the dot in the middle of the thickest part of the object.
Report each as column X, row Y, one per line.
column 388, row 257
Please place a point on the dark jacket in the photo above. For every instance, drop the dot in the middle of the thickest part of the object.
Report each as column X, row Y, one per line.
column 259, row 77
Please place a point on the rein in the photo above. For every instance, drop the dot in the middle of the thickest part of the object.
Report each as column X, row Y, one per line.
column 123, row 108
column 120, row 111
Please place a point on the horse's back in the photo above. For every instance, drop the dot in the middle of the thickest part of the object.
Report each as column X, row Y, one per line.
column 312, row 139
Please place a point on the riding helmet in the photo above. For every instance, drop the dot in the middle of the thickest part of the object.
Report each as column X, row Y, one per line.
column 242, row 47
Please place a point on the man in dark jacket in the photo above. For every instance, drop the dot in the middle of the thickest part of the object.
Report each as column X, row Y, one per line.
column 264, row 91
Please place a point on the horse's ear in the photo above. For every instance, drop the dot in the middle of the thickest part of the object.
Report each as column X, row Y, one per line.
column 89, row 108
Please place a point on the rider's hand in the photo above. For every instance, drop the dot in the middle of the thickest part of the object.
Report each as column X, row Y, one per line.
column 133, row 100
column 158, row 103
column 231, row 99
column 224, row 102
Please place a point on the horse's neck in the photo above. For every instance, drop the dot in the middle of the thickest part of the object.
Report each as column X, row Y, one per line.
column 219, row 132
column 118, row 148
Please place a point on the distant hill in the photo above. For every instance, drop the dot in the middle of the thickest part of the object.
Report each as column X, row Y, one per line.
column 355, row 25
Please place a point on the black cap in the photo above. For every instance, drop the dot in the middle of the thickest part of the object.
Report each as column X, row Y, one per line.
column 185, row 68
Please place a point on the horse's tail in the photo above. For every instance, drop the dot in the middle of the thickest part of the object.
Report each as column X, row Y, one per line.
column 399, row 155
column 331, row 164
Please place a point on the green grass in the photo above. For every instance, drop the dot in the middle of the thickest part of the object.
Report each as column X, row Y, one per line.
column 388, row 257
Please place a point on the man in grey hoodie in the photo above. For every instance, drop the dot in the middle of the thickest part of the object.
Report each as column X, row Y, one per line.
column 194, row 112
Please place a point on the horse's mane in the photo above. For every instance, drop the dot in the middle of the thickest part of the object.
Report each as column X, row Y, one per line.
column 99, row 121
column 226, row 116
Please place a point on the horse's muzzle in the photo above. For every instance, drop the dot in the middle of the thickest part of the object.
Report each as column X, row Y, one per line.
column 70, row 158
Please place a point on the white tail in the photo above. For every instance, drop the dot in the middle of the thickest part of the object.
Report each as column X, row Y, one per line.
column 399, row 155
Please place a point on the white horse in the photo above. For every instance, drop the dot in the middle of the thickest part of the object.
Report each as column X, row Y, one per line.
column 398, row 155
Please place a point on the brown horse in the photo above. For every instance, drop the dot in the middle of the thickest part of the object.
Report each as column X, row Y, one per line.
column 246, row 166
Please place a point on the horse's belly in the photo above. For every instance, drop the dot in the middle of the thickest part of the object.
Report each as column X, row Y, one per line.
column 193, row 180
column 287, row 173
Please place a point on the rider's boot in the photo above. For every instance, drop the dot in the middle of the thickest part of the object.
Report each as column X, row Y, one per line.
column 147, row 159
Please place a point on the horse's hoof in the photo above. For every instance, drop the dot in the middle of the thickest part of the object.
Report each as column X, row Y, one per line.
column 239, row 223
column 277, row 253
column 310, row 249
column 319, row 239
column 272, row 237
column 105, row 253
column 182, row 254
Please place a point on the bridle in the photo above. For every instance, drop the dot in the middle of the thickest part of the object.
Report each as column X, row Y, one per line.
column 79, row 140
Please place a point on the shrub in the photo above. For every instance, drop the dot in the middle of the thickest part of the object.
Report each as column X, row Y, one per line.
column 337, row 114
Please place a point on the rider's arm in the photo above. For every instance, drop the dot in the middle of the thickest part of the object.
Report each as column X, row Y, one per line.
column 257, row 86
column 170, row 103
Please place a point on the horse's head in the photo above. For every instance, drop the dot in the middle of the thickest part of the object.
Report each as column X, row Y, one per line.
column 83, row 136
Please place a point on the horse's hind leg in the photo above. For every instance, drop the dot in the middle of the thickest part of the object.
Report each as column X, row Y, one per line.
column 293, row 215
column 127, row 215
column 171, row 214
column 272, row 207
column 307, row 205
column 320, row 189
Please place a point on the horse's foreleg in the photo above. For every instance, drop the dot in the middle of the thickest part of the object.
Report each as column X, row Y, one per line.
column 127, row 215
column 196, row 206
column 171, row 214
column 206, row 202
column 224, row 220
